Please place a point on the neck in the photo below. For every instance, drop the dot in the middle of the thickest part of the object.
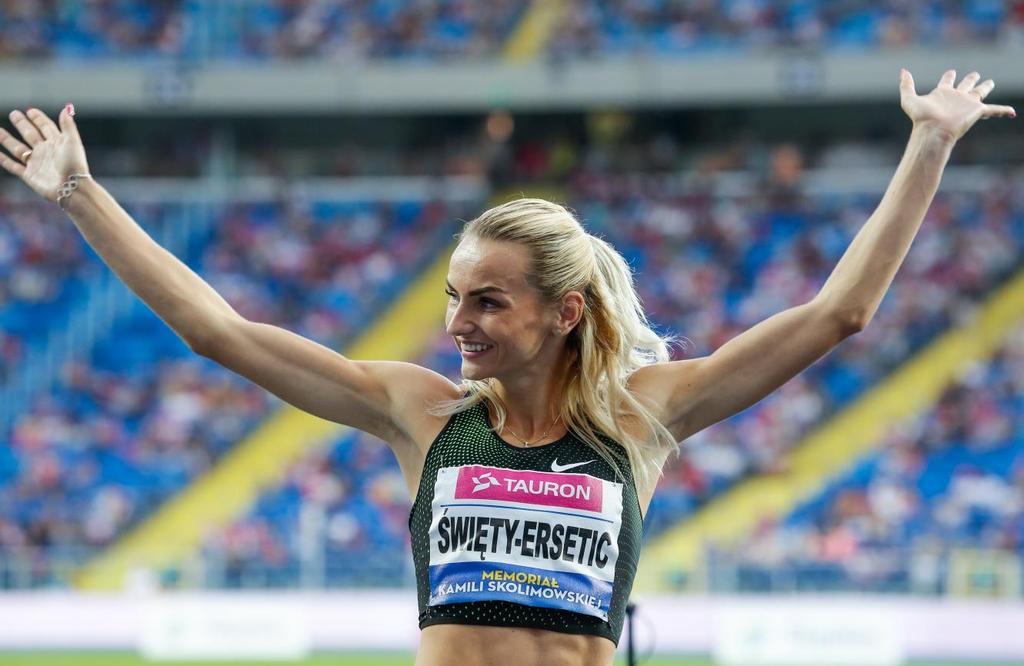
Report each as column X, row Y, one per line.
column 533, row 402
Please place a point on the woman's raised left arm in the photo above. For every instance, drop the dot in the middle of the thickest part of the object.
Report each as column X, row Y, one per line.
column 861, row 278
column 693, row 394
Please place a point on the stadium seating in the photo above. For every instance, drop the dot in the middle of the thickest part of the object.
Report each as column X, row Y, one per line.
column 387, row 29
column 666, row 28
column 951, row 479
column 143, row 416
column 255, row 29
column 43, row 270
column 47, row 270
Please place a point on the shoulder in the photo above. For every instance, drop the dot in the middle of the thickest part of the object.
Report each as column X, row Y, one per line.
column 413, row 394
column 666, row 389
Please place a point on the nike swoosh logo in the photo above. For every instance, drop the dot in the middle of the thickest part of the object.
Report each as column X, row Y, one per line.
column 555, row 467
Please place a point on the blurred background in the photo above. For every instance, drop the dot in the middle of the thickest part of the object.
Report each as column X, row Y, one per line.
column 312, row 160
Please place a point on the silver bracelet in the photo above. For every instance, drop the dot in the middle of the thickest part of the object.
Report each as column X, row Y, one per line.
column 69, row 186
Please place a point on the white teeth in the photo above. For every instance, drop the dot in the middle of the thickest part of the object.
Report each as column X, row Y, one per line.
column 475, row 348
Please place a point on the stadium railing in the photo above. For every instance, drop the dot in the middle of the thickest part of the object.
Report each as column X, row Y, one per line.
column 106, row 299
column 928, row 569
column 783, row 77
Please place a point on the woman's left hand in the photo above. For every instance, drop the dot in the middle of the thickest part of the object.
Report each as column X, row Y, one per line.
column 947, row 109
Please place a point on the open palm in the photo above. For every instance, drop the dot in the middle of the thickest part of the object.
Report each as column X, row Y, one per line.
column 952, row 110
column 46, row 154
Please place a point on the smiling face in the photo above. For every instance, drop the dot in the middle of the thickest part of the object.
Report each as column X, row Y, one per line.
column 500, row 322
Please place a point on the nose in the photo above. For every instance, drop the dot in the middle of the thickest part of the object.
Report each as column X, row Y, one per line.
column 457, row 321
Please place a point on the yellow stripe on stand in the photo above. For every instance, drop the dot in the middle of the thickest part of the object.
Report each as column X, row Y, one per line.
column 228, row 490
column 678, row 555
column 531, row 36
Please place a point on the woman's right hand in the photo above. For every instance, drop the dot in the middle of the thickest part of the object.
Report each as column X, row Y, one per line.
column 46, row 154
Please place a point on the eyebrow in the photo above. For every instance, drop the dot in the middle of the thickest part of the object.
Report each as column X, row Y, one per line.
column 477, row 292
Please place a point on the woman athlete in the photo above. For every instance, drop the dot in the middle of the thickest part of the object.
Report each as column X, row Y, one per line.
column 531, row 476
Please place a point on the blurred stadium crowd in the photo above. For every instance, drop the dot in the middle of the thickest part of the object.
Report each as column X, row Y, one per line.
column 144, row 416
column 953, row 477
column 417, row 29
column 255, row 29
column 664, row 27
column 720, row 238
column 141, row 418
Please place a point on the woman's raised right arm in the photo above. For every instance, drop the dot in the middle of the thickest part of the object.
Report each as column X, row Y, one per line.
column 378, row 397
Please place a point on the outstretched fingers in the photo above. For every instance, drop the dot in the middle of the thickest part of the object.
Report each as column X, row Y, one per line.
column 983, row 89
column 998, row 111
column 16, row 148
column 46, row 127
column 13, row 146
column 980, row 91
column 968, row 82
column 29, row 133
column 947, row 79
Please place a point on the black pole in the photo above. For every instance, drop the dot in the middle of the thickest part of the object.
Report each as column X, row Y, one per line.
column 630, row 652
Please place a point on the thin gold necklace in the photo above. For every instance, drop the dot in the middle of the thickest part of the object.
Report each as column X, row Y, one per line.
column 526, row 444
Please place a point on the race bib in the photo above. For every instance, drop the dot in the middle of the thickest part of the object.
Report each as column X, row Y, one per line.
column 536, row 538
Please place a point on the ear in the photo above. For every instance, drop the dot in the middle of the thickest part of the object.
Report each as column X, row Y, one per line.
column 570, row 311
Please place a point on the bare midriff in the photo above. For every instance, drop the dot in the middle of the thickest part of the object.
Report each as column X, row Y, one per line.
column 472, row 645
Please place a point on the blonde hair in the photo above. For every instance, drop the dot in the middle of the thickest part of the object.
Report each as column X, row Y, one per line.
column 612, row 339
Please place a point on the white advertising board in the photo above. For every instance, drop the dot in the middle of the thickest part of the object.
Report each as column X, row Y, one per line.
column 803, row 636
column 747, row 631
column 223, row 628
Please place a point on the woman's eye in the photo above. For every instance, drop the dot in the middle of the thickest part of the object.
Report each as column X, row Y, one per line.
column 485, row 303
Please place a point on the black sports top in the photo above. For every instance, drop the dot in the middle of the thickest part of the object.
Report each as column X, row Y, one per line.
column 545, row 537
